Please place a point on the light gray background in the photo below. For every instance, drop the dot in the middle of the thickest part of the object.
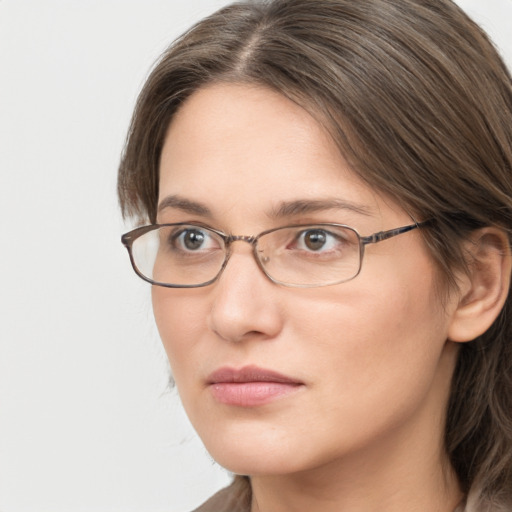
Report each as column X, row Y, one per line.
column 86, row 420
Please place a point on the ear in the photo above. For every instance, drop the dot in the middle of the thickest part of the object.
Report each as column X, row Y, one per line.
column 484, row 289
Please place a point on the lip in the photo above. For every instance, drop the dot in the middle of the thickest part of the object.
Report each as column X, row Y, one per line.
column 250, row 386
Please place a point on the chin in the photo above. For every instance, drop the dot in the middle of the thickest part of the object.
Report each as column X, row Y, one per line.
column 254, row 464
column 253, row 453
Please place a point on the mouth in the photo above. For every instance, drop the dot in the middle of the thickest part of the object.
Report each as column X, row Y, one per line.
column 250, row 386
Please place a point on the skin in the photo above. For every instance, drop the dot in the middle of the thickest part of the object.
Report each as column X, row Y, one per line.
column 364, row 430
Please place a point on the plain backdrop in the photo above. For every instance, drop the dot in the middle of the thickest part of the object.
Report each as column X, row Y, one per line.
column 87, row 419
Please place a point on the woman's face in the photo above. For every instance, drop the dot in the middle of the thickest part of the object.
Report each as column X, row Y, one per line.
column 362, row 367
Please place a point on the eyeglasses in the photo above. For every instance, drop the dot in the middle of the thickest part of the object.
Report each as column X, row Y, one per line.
column 309, row 255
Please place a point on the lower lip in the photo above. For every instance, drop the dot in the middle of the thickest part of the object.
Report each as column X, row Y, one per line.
column 251, row 394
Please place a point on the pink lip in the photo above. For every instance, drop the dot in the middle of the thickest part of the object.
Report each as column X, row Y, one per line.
column 250, row 386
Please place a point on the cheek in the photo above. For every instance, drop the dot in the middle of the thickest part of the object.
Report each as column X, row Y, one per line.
column 178, row 317
column 380, row 341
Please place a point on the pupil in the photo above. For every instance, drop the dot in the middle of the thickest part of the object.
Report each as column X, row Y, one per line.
column 194, row 239
column 315, row 240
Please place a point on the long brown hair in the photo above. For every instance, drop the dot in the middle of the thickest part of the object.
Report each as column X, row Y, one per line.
column 420, row 104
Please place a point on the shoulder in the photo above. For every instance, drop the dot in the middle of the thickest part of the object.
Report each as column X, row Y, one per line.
column 235, row 498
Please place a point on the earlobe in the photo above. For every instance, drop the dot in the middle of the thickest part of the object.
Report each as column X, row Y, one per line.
column 484, row 289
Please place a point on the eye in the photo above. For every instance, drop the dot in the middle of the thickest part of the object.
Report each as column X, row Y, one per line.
column 318, row 240
column 193, row 239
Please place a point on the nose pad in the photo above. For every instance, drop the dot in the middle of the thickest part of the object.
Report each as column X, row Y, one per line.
column 243, row 304
column 263, row 259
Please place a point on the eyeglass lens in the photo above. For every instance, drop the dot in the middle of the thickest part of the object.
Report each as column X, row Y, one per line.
column 191, row 255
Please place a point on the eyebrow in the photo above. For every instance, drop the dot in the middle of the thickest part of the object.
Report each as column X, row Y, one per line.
column 185, row 205
column 284, row 209
column 305, row 206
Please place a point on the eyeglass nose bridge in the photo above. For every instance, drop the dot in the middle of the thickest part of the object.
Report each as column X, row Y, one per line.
column 229, row 239
column 241, row 238
column 250, row 239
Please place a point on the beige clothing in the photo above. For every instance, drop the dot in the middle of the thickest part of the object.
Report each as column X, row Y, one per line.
column 237, row 498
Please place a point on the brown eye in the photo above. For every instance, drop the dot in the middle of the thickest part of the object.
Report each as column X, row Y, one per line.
column 193, row 239
column 319, row 241
column 315, row 239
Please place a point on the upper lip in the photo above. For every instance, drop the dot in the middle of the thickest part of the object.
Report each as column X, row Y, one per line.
column 248, row 374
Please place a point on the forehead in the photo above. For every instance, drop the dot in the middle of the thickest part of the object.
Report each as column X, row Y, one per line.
column 249, row 147
column 229, row 121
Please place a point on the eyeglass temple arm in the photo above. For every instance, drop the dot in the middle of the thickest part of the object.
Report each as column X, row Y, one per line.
column 384, row 235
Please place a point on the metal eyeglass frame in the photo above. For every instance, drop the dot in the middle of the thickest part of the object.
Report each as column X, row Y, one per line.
column 129, row 238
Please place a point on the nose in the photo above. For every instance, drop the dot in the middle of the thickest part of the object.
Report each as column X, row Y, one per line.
column 244, row 302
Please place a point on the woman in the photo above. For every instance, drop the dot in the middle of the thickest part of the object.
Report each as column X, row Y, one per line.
column 327, row 191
